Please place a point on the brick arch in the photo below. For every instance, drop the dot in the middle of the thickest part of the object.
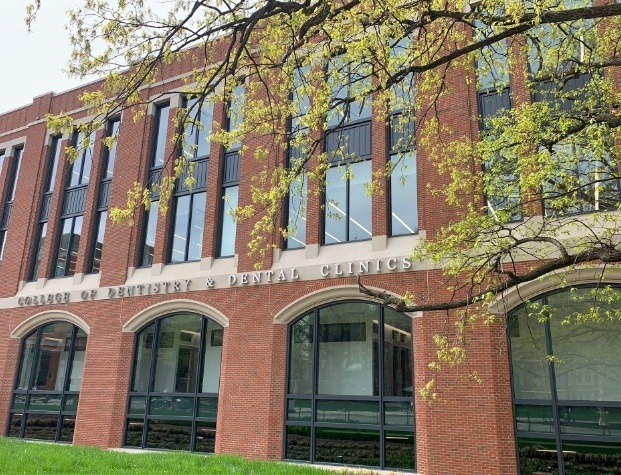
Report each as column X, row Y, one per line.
column 323, row 296
column 172, row 306
column 35, row 321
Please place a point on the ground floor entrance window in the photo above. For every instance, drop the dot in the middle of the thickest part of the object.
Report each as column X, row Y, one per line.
column 567, row 382
column 47, row 386
column 173, row 399
column 350, row 387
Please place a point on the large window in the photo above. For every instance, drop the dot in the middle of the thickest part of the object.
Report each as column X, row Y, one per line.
column 402, row 153
column 230, row 177
column 189, row 205
column 296, row 203
column 567, row 383
column 101, row 216
column 47, row 385
column 16, row 162
column 72, row 212
column 173, row 399
column 50, row 178
column 350, row 387
column 347, row 207
column 158, row 150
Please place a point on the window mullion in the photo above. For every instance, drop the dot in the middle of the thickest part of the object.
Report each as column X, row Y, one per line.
column 189, row 228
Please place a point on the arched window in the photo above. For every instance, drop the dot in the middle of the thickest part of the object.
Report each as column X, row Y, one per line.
column 173, row 399
column 567, row 382
column 350, row 387
column 47, row 385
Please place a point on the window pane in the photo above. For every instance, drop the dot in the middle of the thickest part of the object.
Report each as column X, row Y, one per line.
column 171, row 406
column 149, row 240
column 76, row 167
column 63, row 248
column 113, row 131
column 54, row 156
column 88, row 160
column 537, row 455
column 137, row 405
column 208, row 407
column 301, row 356
column 44, row 402
column 177, row 354
column 400, row 450
column 298, row 443
column 297, row 214
column 336, row 206
column 77, row 365
column 347, row 358
column 75, row 245
column 235, row 113
column 197, row 144
column 15, row 167
column 160, row 136
column 591, row 457
column 402, row 93
column 51, row 366
column 347, row 446
column 398, row 369
column 359, row 201
column 170, row 435
column 205, row 437
column 142, row 360
column 596, row 421
column 15, row 425
column 589, row 368
column 534, row 418
column 180, row 236
column 71, row 403
column 133, row 434
column 399, row 413
column 213, row 358
column 403, row 196
column 39, row 250
column 67, row 427
column 299, row 410
column 529, row 356
column 99, row 240
column 229, row 225
column 348, row 412
column 19, row 402
column 41, row 427
column 203, row 144
column 26, row 361
column 196, row 227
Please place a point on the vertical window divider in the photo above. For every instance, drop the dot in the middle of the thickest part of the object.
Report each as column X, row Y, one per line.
column 380, row 375
column 554, row 395
column 315, row 383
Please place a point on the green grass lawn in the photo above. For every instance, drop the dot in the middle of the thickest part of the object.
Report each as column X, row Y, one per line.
column 19, row 457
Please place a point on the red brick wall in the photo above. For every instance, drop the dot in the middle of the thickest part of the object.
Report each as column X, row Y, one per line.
column 471, row 427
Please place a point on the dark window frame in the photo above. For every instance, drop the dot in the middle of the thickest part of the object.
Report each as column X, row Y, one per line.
column 145, row 418
column 9, row 197
column 62, row 413
column 313, row 396
column 105, row 182
column 558, row 436
column 171, row 231
column 51, row 172
column 154, row 174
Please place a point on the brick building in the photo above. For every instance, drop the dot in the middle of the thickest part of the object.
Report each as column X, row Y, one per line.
column 163, row 335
